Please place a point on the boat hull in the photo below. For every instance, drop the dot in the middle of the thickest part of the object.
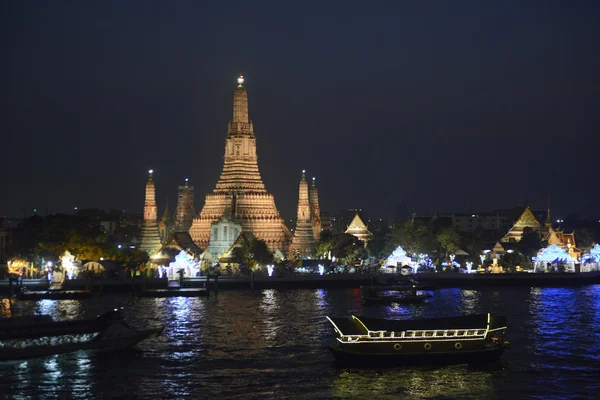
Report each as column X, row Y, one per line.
column 346, row 357
column 97, row 344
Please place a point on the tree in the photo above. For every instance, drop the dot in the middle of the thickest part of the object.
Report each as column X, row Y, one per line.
column 584, row 238
column 473, row 244
column 413, row 236
column 325, row 244
column 530, row 243
column 449, row 240
column 348, row 248
column 252, row 251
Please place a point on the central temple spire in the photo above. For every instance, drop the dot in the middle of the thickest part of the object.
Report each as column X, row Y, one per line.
column 240, row 103
column 240, row 190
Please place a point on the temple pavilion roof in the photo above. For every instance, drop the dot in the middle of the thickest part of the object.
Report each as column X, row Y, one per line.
column 357, row 227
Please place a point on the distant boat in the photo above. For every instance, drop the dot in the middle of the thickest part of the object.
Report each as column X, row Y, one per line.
column 39, row 335
column 401, row 294
column 455, row 340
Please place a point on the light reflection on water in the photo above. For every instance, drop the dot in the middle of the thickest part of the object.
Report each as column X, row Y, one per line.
column 273, row 344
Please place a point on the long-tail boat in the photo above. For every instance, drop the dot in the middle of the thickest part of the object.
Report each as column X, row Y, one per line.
column 38, row 336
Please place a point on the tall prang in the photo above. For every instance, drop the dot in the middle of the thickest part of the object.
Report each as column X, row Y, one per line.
column 240, row 189
column 303, row 242
column 150, row 239
column 315, row 210
column 185, row 213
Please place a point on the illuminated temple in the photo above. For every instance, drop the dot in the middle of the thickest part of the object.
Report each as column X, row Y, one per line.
column 240, row 190
column 303, row 242
column 150, row 238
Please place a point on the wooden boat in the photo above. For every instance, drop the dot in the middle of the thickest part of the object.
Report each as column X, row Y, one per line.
column 457, row 340
column 39, row 336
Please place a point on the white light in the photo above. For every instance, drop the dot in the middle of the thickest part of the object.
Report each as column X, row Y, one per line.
column 486, row 251
column 270, row 269
column 119, row 246
column 303, row 171
column 101, row 258
column 240, row 80
column 186, row 179
column 321, row 269
column 510, row 251
column 74, row 208
column 151, row 171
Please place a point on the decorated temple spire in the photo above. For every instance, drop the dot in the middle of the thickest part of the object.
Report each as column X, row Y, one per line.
column 548, row 222
column 315, row 210
column 240, row 188
column 240, row 103
column 303, row 242
column 184, row 213
column 150, row 238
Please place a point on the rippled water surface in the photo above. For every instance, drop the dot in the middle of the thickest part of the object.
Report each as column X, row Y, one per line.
column 273, row 344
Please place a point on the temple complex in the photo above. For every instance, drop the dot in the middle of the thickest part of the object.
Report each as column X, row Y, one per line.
column 315, row 210
column 150, row 239
column 303, row 242
column 358, row 229
column 184, row 214
column 240, row 189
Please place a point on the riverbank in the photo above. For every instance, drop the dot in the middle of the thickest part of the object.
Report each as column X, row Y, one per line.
column 301, row 281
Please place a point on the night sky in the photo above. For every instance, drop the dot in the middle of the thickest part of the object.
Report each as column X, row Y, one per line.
column 446, row 105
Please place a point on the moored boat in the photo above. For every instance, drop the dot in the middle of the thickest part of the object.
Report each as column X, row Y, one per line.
column 39, row 336
column 456, row 340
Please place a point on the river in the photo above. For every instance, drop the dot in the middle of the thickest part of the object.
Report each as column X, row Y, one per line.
column 273, row 344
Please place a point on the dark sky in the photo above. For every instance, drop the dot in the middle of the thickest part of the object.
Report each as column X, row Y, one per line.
column 446, row 105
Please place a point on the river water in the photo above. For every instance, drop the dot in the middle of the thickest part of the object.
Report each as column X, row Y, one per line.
column 273, row 344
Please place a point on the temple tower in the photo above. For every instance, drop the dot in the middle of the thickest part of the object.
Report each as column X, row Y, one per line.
column 150, row 239
column 184, row 214
column 165, row 225
column 303, row 242
column 315, row 210
column 240, row 189
column 548, row 223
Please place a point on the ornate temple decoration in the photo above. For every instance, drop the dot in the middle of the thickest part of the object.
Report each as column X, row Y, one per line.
column 240, row 189
column 315, row 210
column 223, row 234
column 358, row 229
column 303, row 242
column 150, row 239
column 184, row 214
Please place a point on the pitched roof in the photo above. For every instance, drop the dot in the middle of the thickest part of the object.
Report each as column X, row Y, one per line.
column 358, row 228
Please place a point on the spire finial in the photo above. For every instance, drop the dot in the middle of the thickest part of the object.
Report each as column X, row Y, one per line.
column 150, row 172
column 313, row 180
column 240, row 81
